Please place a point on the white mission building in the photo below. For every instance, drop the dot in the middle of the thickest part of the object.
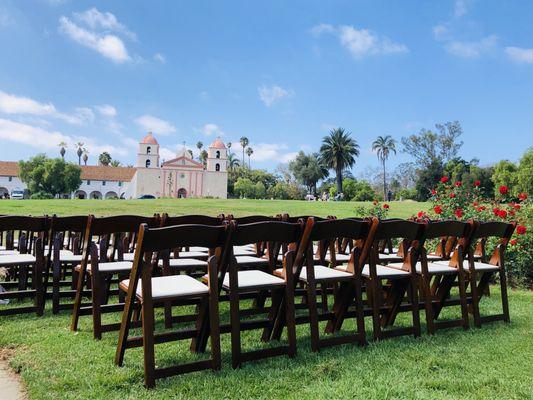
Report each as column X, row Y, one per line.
column 179, row 177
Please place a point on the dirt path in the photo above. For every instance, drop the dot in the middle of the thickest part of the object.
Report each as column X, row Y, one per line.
column 10, row 386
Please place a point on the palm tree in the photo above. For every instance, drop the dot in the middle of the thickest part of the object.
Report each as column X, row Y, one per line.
column 338, row 151
column 104, row 158
column 62, row 151
column 115, row 163
column 203, row 157
column 244, row 142
column 79, row 145
column 228, row 145
column 199, row 145
column 85, row 156
column 249, row 152
column 383, row 146
column 233, row 162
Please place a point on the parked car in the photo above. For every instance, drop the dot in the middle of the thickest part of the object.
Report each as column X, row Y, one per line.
column 145, row 197
column 18, row 195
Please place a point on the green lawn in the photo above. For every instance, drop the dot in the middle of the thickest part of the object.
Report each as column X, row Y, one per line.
column 198, row 206
column 494, row 362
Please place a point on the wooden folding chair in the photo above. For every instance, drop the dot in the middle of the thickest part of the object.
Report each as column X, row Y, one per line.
column 387, row 301
column 345, row 278
column 26, row 264
column 102, row 264
column 64, row 254
column 144, row 290
column 438, row 277
column 480, row 273
column 239, row 282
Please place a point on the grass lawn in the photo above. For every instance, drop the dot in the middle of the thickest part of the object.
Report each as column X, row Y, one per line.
column 494, row 362
column 213, row 207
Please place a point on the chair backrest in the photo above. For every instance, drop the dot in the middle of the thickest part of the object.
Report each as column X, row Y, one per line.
column 72, row 228
column 452, row 234
column 289, row 218
column 29, row 228
column 250, row 219
column 167, row 220
column 494, row 229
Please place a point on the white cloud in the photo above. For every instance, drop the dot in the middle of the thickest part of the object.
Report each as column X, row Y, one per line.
column 43, row 139
column 360, row 42
column 106, row 21
column 109, row 46
column 319, row 29
column 273, row 94
column 166, row 154
column 210, row 130
column 520, row 54
column 288, row 157
column 472, row 49
column 160, row 58
column 441, row 32
column 267, row 151
column 12, row 104
column 153, row 124
column 107, row 110
column 460, row 7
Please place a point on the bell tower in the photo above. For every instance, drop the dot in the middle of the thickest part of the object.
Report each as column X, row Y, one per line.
column 217, row 156
column 148, row 155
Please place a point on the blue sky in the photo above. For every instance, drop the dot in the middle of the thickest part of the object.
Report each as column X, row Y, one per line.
column 281, row 73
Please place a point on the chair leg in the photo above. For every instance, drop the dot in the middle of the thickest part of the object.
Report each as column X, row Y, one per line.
column 148, row 344
column 376, row 306
column 96, row 282
column 313, row 314
column 124, row 331
column 360, row 312
column 235, row 329
column 39, row 289
column 77, row 302
column 277, row 297
column 290, row 318
column 505, row 300
column 214, row 326
column 414, row 308
column 475, row 299
column 56, row 277
column 462, row 299
column 428, row 303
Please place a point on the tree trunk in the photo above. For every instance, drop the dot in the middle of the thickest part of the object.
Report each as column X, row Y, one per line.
column 384, row 183
column 339, row 180
column 243, row 161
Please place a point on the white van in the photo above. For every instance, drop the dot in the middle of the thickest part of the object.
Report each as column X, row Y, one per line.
column 17, row 195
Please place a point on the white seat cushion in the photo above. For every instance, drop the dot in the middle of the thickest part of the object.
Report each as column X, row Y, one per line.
column 244, row 252
column 68, row 256
column 10, row 259
column 433, row 268
column 115, row 266
column 185, row 263
column 254, row 278
column 192, row 254
column 386, row 257
column 339, row 257
column 128, row 256
column 433, row 257
column 323, row 273
column 8, row 252
column 478, row 266
column 165, row 287
column 386, row 272
column 251, row 260
column 199, row 248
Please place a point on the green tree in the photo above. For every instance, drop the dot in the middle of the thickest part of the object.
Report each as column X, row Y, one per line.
column 384, row 145
column 249, row 152
column 308, row 169
column 104, row 158
column 85, row 156
column 338, row 151
column 259, row 190
column 244, row 187
column 427, row 179
column 79, row 152
column 233, row 162
column 279, row 191
column 505, row 174
column 199, row 146
column 62, row 149
column 358, row 190
column 50, row 176
column 525, row 173
column 115, row 163
column 203, row 157
column 244, row 142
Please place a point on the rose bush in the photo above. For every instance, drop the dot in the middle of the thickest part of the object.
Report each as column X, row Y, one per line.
column 458, row 202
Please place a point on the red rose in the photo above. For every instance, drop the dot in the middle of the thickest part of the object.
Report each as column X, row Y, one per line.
column 479, row 209
column 504, row 190
column 512, row 213
column 517, row 206
column 475, row 203
column 444, row 179
column 452, row 195
column 496, row 211
column 458, row 213
column 502, row 214
column 483, row 208
column 458, row 183
column 521, row 229
column 522, row 196
column 421, row 214
column 514, row 242
column 386, row 206
column 437, row 209
column 433, row 192
column 477, row 183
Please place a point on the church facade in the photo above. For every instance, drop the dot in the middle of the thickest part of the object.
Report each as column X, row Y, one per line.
column 181, row 176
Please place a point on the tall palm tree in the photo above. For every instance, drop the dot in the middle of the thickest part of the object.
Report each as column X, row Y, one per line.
column 79, row 145
column 249, row 152
column 199, row 145
column 384, row 146
column 85, row 156
column 233, row 162
column 115, row 163
column 62, row 150
column 244, row 142
column 228, row 145
column 338, row 151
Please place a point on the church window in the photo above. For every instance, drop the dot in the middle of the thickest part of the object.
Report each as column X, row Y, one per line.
column 217, row 167
column 148, row 150
column 103, row 183
column 147, row 163
column 88, row 182
column 217, row 154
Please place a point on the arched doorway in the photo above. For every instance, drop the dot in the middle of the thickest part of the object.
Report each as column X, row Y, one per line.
column 4, row 193
column 95, row 195
column 80, row 194
column 182, row 193
column 111, row 195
